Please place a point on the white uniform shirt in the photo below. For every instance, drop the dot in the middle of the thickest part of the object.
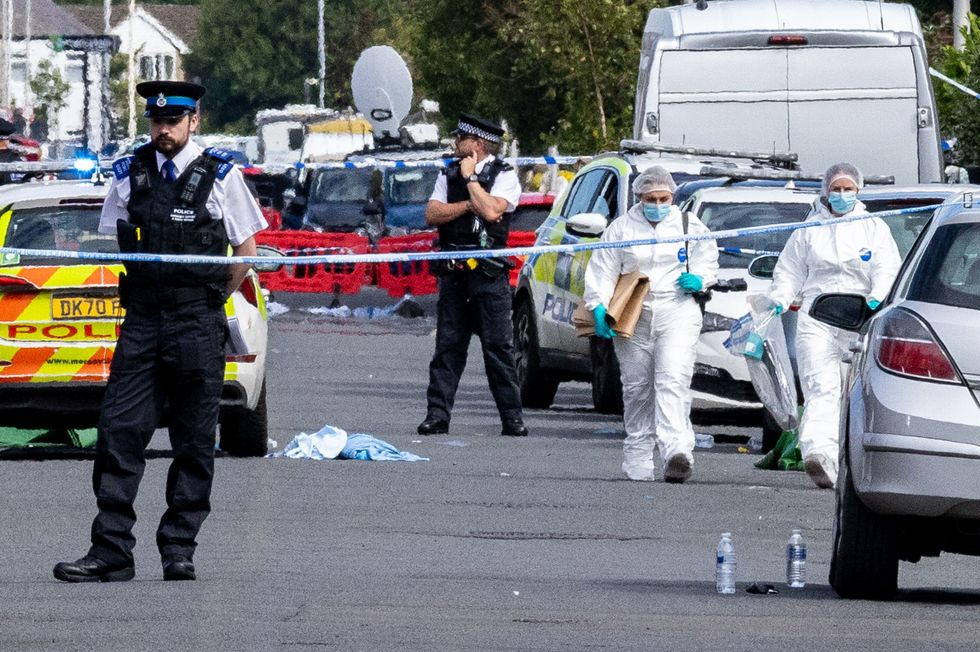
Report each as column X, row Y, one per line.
column 852, row 257
column 230, row 200
column 506, row 186
column 662, row 263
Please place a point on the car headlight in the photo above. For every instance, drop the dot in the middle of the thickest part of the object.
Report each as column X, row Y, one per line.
column 713, row 323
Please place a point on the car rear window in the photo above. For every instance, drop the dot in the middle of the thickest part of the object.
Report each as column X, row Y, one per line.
column 738, row 252
column 67, row 227
column 949, row 271
column 905, row 229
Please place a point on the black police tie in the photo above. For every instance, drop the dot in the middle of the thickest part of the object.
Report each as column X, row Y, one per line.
column 169, row 171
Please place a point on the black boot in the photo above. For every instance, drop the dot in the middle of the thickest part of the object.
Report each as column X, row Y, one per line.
column 93, row 569
column 433, row 427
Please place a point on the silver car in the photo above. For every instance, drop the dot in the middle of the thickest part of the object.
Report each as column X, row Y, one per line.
column 909, row 481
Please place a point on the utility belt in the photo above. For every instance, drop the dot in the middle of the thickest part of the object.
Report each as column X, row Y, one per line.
column 492, row 267
column 134, row 294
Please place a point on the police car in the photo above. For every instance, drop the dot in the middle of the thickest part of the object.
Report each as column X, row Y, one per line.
column 550, row 287
column 60, row 318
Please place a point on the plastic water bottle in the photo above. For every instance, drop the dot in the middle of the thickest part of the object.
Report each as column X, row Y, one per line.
column 725, row 565
column 795, row 560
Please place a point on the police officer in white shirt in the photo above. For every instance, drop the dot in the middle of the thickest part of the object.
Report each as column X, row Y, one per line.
column 471, row 205
column 169, row 197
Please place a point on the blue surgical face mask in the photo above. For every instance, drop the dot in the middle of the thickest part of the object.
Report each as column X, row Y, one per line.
column 656, row 212
column 842, row 202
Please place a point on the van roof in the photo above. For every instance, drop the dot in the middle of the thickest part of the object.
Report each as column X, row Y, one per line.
column 784, row 15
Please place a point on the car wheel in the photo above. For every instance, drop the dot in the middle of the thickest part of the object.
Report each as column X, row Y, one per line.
column 244, row 432
column 771, row 431
column 537, row 387
column 607, row 388
column 864, row 561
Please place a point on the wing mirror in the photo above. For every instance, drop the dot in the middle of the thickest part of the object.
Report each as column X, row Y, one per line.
column 845, row 311
column 763, row 266
column 586, row 224
column 276, row 259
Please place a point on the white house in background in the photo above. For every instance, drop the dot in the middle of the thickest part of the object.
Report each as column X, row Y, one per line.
column 161, row 34
column 78, row 53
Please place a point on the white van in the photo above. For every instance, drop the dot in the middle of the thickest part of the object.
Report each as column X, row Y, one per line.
column 832, row 80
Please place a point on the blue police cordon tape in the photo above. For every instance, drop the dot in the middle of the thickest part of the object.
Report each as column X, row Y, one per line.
column 443, row 162
column 396, row 257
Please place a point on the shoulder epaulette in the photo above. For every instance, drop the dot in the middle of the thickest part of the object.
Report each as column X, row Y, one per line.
column 120, row 167
column 503, row 165
column 226, row 158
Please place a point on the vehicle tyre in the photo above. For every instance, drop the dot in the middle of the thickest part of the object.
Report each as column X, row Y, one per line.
column 538, row 388
column 244, row 432
column 864, row 561
column 771, row 431
column 607, row 387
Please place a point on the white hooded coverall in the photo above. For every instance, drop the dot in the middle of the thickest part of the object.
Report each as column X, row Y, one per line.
column 851, row 257
column 657, row 362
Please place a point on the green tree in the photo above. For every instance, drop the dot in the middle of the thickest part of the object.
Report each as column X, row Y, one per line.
column 559, row 71
column 50, row 91
column 959, row 113
column 254, row 54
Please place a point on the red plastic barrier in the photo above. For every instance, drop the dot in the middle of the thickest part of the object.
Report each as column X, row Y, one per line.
column 519, row 239
column 401, row 277
column 346, row 278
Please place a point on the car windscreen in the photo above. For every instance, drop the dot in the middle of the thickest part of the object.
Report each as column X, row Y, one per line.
column 949, row 271
column 412, row 186
column 341, row 185
column 722, row 216
column 529, row 218
column 67, row 227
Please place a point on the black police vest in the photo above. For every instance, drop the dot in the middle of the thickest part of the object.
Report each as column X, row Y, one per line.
column 173, row 219
column 465, row 230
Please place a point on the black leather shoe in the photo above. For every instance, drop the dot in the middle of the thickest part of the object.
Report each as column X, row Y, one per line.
column 178, row 568
column 514, row 429
column 93, row 569
column 433, row 427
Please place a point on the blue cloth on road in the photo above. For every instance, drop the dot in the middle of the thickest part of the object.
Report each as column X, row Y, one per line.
column 330, row 443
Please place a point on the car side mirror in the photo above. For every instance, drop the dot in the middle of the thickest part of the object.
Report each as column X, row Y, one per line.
column 763, row 266
column 586, row 224
column 845, row 311
column 276, row 259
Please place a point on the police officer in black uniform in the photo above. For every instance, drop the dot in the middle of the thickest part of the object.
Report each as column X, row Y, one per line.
column 471, row 205
column 170, row 197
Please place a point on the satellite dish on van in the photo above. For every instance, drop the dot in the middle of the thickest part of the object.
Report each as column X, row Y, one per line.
column 382, row 88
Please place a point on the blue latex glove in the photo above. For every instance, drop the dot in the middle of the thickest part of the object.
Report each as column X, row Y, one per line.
column 873, row 303
column 776, row 308
column 602, row 327
column 690, row 282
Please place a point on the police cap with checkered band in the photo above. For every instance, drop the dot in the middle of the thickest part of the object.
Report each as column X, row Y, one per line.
column 471, row 125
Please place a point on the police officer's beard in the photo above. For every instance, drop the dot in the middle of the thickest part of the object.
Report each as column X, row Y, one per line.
column 168, row 145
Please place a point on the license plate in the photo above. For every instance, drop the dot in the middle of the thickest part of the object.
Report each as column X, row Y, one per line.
column 85, row 307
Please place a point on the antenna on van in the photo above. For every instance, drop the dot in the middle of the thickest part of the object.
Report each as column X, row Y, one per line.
column 881, row 15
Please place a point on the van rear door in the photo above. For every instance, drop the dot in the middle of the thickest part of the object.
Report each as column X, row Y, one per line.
column 724, row 98
column 854, row 103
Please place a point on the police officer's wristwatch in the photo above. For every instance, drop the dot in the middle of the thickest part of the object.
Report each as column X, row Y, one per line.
column 473, row 178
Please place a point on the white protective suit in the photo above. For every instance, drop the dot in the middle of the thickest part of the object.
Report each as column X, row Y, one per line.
column 657, row 363
column 853, row 257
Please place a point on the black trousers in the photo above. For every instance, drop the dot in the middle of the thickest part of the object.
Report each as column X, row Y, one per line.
column 470, row 302
column 173, row 355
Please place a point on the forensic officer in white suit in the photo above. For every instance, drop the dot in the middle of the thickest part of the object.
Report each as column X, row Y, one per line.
column 657, row 362
column 858, row 257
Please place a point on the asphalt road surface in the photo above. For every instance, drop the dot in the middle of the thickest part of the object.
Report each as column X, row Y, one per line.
column 494, row 544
